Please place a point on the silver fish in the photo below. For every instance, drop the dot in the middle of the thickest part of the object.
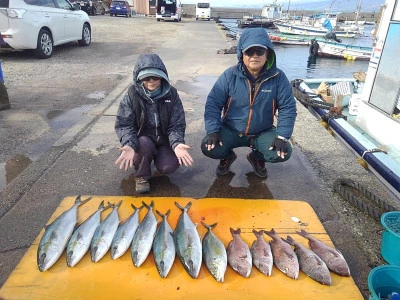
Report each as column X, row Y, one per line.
column 144, row 236
column 310, row 263
column 79, row 242
column 124, row 235
column 163, row 246
column 56, row 235
column 187, row 242
column 239, row 255
column 214, row 254
column 332, row 257
column 284, row 257
column 104, row 234
column 261, row 254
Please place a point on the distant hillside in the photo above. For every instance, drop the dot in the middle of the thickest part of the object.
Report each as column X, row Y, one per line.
column 345, row 6
column 337, row 6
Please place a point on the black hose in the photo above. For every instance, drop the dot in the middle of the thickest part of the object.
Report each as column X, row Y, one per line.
column 361, row 198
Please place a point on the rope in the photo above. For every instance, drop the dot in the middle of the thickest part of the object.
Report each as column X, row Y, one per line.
column 361, row 198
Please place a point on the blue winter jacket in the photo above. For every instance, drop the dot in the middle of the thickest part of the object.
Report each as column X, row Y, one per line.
column 229, row 101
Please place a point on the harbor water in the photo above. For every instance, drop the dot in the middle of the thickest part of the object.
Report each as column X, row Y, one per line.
column 294, row 60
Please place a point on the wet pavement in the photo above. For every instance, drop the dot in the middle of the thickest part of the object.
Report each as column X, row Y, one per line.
column 81, row 161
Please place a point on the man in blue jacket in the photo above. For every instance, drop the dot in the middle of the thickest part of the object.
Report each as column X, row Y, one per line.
column 250, row 105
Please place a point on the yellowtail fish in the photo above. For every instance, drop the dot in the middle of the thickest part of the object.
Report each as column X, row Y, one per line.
column 214, row 254
column 187, row 242
column 56, row 235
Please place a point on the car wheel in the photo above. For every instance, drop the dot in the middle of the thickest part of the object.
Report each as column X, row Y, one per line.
column 86, row 36
column 158, row 20
column 44, row 47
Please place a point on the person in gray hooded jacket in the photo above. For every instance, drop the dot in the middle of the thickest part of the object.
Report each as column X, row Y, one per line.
column 243, row 104
column 151, row 124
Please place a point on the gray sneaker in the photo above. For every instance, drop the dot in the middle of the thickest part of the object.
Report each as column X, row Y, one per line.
column 225, row 164
column 142, row 185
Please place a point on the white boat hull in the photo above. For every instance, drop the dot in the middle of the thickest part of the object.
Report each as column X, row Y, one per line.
column 312, row 31
column 338, row 50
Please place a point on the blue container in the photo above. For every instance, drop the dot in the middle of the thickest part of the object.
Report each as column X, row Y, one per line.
column 1, row 73
column 383, row 281
column 390, row 248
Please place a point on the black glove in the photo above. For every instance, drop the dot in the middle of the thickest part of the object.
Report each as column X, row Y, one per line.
column 279, row 144
column 213, row 139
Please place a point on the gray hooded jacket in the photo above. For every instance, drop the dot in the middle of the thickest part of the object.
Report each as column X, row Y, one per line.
column 162, row 117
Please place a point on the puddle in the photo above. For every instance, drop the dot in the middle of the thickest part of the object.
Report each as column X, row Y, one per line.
column 99, row 95
column 10, row 169
column 59, row 119
column 200, row 87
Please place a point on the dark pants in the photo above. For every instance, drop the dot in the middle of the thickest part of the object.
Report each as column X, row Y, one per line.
column 260, row 145
column 163, row 156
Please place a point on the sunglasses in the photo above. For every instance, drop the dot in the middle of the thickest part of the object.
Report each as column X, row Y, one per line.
column 255, row 50
column 154, row 78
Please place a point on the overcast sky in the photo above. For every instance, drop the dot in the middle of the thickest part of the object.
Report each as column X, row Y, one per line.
column 246, row 3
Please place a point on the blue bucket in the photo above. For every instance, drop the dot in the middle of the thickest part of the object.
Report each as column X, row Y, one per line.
column 390, row 248
column 383, row 281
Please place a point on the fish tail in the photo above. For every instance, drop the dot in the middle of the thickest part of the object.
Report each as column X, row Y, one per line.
column 289, row 240
column 101, row 206
column 271, row 233
column 209, row 227
column 78, row 200
column 235, row 232
column 119, row 204
column 303, row 233
column 110, row 204
column 184, row 208
column 164, row 216
column 136, row 208
column 149, row 207
column 258, row 233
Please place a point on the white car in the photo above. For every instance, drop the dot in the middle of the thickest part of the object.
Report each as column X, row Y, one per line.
column 42, row 24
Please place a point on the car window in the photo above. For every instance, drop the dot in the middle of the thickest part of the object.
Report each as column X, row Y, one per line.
column 4, row 3
column 47, row 3
column 64, row 4
column 31, row 2
column 118, row 3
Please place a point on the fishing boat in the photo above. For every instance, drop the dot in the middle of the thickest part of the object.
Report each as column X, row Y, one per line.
column 312, row 30
column 289, row 40
column 346, row 51
column 364, row 114
column 318, row 25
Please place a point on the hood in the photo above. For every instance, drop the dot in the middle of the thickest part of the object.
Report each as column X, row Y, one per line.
column 256, row 37
column 148, row 63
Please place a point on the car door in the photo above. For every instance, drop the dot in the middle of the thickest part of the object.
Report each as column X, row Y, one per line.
column 52, row 18
column 72, row 20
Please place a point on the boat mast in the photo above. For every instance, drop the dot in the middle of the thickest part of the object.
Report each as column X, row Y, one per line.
column 358, row 10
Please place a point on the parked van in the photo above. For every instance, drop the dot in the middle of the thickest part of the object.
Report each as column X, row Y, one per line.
column 203, row 10
column 169, row 10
